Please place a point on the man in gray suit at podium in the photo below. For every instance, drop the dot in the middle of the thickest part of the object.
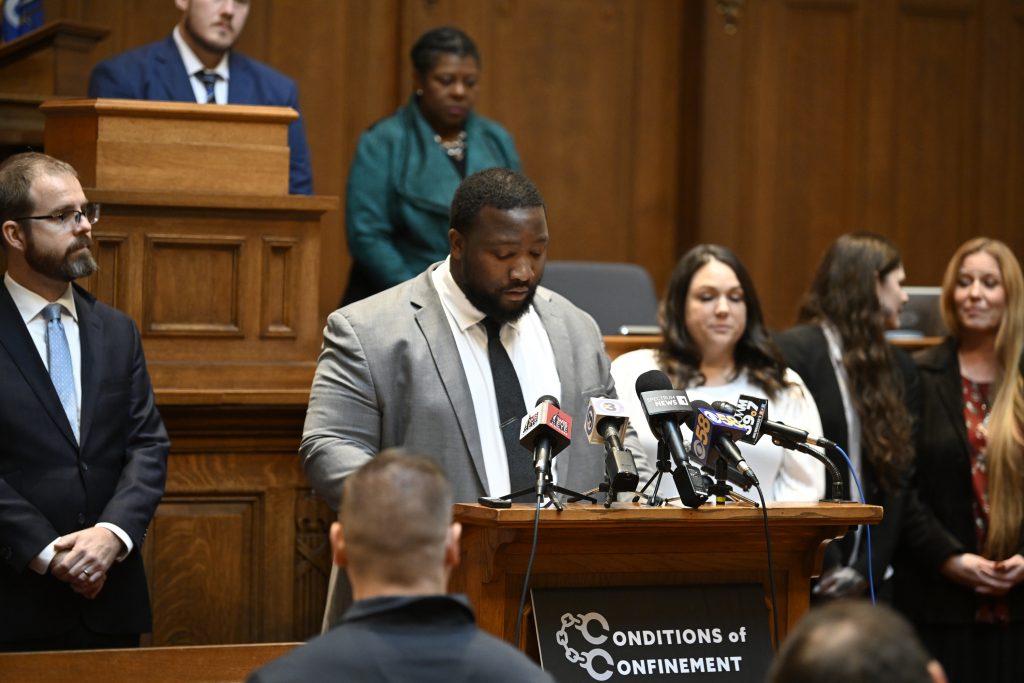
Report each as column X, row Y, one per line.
column 415, row 366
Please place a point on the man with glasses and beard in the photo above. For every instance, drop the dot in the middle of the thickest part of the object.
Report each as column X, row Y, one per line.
column 412, row 366
column 83, row 453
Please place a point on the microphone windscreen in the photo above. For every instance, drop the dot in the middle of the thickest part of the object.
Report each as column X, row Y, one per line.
column 549, row 399
column 653, row 380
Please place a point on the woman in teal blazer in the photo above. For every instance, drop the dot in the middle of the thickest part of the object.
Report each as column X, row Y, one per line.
column 408, row 166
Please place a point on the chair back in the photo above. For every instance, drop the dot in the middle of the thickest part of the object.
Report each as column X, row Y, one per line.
column 620, row 296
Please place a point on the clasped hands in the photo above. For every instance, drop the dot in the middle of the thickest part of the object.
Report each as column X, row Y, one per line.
column 985, row 576
column 83, row 558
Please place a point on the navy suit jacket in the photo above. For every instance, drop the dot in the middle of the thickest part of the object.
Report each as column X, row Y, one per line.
column 51, row 486
column 156, row 72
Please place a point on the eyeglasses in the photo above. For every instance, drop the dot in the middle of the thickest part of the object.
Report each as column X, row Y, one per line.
column 68, row 218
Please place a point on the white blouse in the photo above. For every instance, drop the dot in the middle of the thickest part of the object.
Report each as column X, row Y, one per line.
column 784, row 475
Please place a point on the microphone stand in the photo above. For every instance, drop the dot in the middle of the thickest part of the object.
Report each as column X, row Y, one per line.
column 607, row 486
column 663, row 467
column 547, row 491
column 722, row 490
column 833, row 471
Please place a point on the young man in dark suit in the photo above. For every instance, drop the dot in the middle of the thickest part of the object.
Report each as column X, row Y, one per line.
column 196, row 63
column 83, row 449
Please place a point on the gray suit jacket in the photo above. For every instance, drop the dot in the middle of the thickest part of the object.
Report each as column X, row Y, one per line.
column 390, row 375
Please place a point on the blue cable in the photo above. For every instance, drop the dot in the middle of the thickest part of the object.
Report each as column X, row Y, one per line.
column 867, row 527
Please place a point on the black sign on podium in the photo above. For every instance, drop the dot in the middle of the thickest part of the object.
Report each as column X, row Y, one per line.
column 653, row 633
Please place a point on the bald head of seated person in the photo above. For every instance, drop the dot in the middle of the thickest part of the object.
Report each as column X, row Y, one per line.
column 852, row 641
column 396, row 537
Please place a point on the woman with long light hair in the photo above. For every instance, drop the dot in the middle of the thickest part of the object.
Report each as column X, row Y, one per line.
column 959, row 579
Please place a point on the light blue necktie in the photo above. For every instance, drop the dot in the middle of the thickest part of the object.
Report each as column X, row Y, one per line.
column 209, row 79
column 58, row 353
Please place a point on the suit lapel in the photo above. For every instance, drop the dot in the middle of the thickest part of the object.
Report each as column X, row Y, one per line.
column 172, row 74
column 949, row 392
column 14, row 337
column 90, row 330
column 241, row 84
column 438, row 336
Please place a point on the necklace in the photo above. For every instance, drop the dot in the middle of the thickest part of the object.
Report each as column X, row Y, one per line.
column 456, row 148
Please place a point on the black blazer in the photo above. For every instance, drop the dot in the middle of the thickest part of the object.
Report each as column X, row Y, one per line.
column 806, row 351
column 50, row 486
column 943, row 524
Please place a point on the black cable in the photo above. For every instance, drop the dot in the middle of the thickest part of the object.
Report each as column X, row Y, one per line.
column 529, row 570
column 771, row 566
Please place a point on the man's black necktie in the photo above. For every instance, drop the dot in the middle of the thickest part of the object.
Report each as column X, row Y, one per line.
column 511, row 409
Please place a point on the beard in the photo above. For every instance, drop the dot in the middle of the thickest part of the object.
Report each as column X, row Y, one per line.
column 196, row 35
column 66, row 267
column 489, row 303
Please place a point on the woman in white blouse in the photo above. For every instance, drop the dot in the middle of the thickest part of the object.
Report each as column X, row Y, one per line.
column 715, row 348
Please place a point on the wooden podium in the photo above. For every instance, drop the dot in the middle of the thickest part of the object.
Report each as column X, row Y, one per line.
column 52, row 61
column 633, row 545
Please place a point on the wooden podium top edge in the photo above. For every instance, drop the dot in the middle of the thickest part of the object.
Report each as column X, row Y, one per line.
column 522, row 514
column 215, row 200
column 248, row 113
column 50, row 29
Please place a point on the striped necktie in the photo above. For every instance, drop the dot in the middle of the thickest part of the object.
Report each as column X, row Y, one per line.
column 209, row 79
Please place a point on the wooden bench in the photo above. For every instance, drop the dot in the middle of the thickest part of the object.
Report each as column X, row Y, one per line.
column 192, row 664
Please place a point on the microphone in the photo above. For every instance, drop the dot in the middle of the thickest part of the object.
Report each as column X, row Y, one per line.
column 545, row 430
column 665, row 408
column 606, row 425
column 752, row 411
column 716, row 432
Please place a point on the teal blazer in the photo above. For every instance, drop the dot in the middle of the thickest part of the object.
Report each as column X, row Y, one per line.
column 399, row 191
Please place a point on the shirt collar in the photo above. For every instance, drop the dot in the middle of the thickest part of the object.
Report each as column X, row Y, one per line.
column 192, row 63
column 835, row 342
column 466, row 315
column 31, row 304
column 457, row 605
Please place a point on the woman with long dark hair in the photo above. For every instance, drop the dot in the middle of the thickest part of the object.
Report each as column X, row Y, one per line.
column 961, row 565
column 715, row 348
column 866, row 392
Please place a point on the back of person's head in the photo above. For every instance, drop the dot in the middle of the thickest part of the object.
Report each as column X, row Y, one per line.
column 852, row 641
column 445, row 40
column 755, row 352
column 498, row 188
column 396, row 513
column 844, row 290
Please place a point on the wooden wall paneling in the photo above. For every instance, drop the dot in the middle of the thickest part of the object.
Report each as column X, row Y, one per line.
column 724, row 127
column 1001, row 126
column 665, row 130
column 807, row 153
column 935, row 132
column 238, row 549
column 203, row 562
column 587, row 89
column 349, row 82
